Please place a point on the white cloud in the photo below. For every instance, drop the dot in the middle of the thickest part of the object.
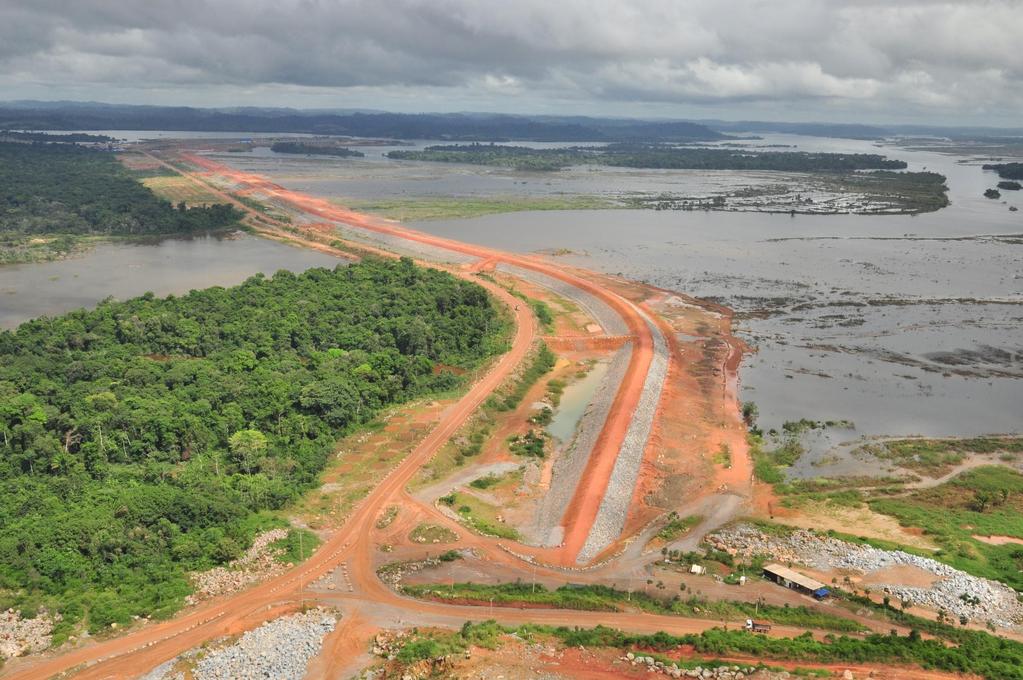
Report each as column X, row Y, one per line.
column 949, row 61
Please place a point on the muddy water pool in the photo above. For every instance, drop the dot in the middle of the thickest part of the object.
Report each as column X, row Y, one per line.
column 574, row 400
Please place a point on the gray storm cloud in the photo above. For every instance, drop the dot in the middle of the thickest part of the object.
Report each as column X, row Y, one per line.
column 957, row 59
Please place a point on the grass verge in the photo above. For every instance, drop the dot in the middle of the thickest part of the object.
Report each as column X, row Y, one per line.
column 604, row 598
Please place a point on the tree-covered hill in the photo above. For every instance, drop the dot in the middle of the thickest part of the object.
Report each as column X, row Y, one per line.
column 140, row 440
column 453, row 126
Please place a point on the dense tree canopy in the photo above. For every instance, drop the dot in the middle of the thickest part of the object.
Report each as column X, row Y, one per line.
column 67, row 189
column 142, row 439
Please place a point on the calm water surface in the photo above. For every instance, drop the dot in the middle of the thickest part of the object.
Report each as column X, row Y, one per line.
column 903, row 324
column 120, row 270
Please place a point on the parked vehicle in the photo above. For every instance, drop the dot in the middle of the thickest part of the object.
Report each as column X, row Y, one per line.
column 756, row 627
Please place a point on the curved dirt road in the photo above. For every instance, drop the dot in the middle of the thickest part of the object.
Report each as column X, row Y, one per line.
column 137, row 652
column 589, row 492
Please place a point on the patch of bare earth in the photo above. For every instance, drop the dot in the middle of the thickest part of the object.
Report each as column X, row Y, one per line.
column 998, row 540
column 859, row 521
column 902, row 574
column 363, row 459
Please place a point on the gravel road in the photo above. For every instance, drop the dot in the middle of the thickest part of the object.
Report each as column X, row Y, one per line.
column 614, row 508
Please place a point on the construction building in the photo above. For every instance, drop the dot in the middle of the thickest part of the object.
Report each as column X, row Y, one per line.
column 794, row 580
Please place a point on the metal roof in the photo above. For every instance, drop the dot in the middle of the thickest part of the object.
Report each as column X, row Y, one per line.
column 794, row 576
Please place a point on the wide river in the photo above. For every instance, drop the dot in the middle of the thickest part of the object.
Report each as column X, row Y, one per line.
column 903, row 324
column 124, row 270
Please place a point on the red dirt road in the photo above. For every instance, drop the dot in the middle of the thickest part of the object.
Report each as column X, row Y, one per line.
column 582, row 509
column 137, row 652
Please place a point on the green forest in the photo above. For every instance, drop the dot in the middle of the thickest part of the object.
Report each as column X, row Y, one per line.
column 657, row 156
column 67, row 138
column 51, row 195
column 152, row 437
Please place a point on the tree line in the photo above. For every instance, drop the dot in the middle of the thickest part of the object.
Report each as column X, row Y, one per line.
column 654, row 156
column 318, row 149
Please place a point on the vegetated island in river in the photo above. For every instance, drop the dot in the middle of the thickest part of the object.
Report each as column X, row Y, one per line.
column 654, row 156
column 1006, row 170
column 55, row 197
column 68, row 138
column 149, row 438
column 317, row 148
column 806, row 182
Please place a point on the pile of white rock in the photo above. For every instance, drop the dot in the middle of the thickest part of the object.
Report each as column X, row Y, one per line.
column 672, row 670
column 23, row 636
column 277, row 650
column 957, row 593
column 257, row 564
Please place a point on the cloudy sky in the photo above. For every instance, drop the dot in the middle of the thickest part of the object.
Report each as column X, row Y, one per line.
column 840, row 60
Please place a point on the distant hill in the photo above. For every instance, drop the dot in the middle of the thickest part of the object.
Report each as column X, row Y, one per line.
column 861, row 131
column 448, row 126
column 455, row 127
column 843, row 130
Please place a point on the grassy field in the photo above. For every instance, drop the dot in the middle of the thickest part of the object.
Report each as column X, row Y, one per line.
column 677, row 526
column 955, row 515
column 497, row 482
column 176, row 189
column 470, row 439
column 951, row 649
column 445, row 207
column 769, row 464
column 298, row 545
column 935, row 457
column 984, row 501
column 479, row 516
